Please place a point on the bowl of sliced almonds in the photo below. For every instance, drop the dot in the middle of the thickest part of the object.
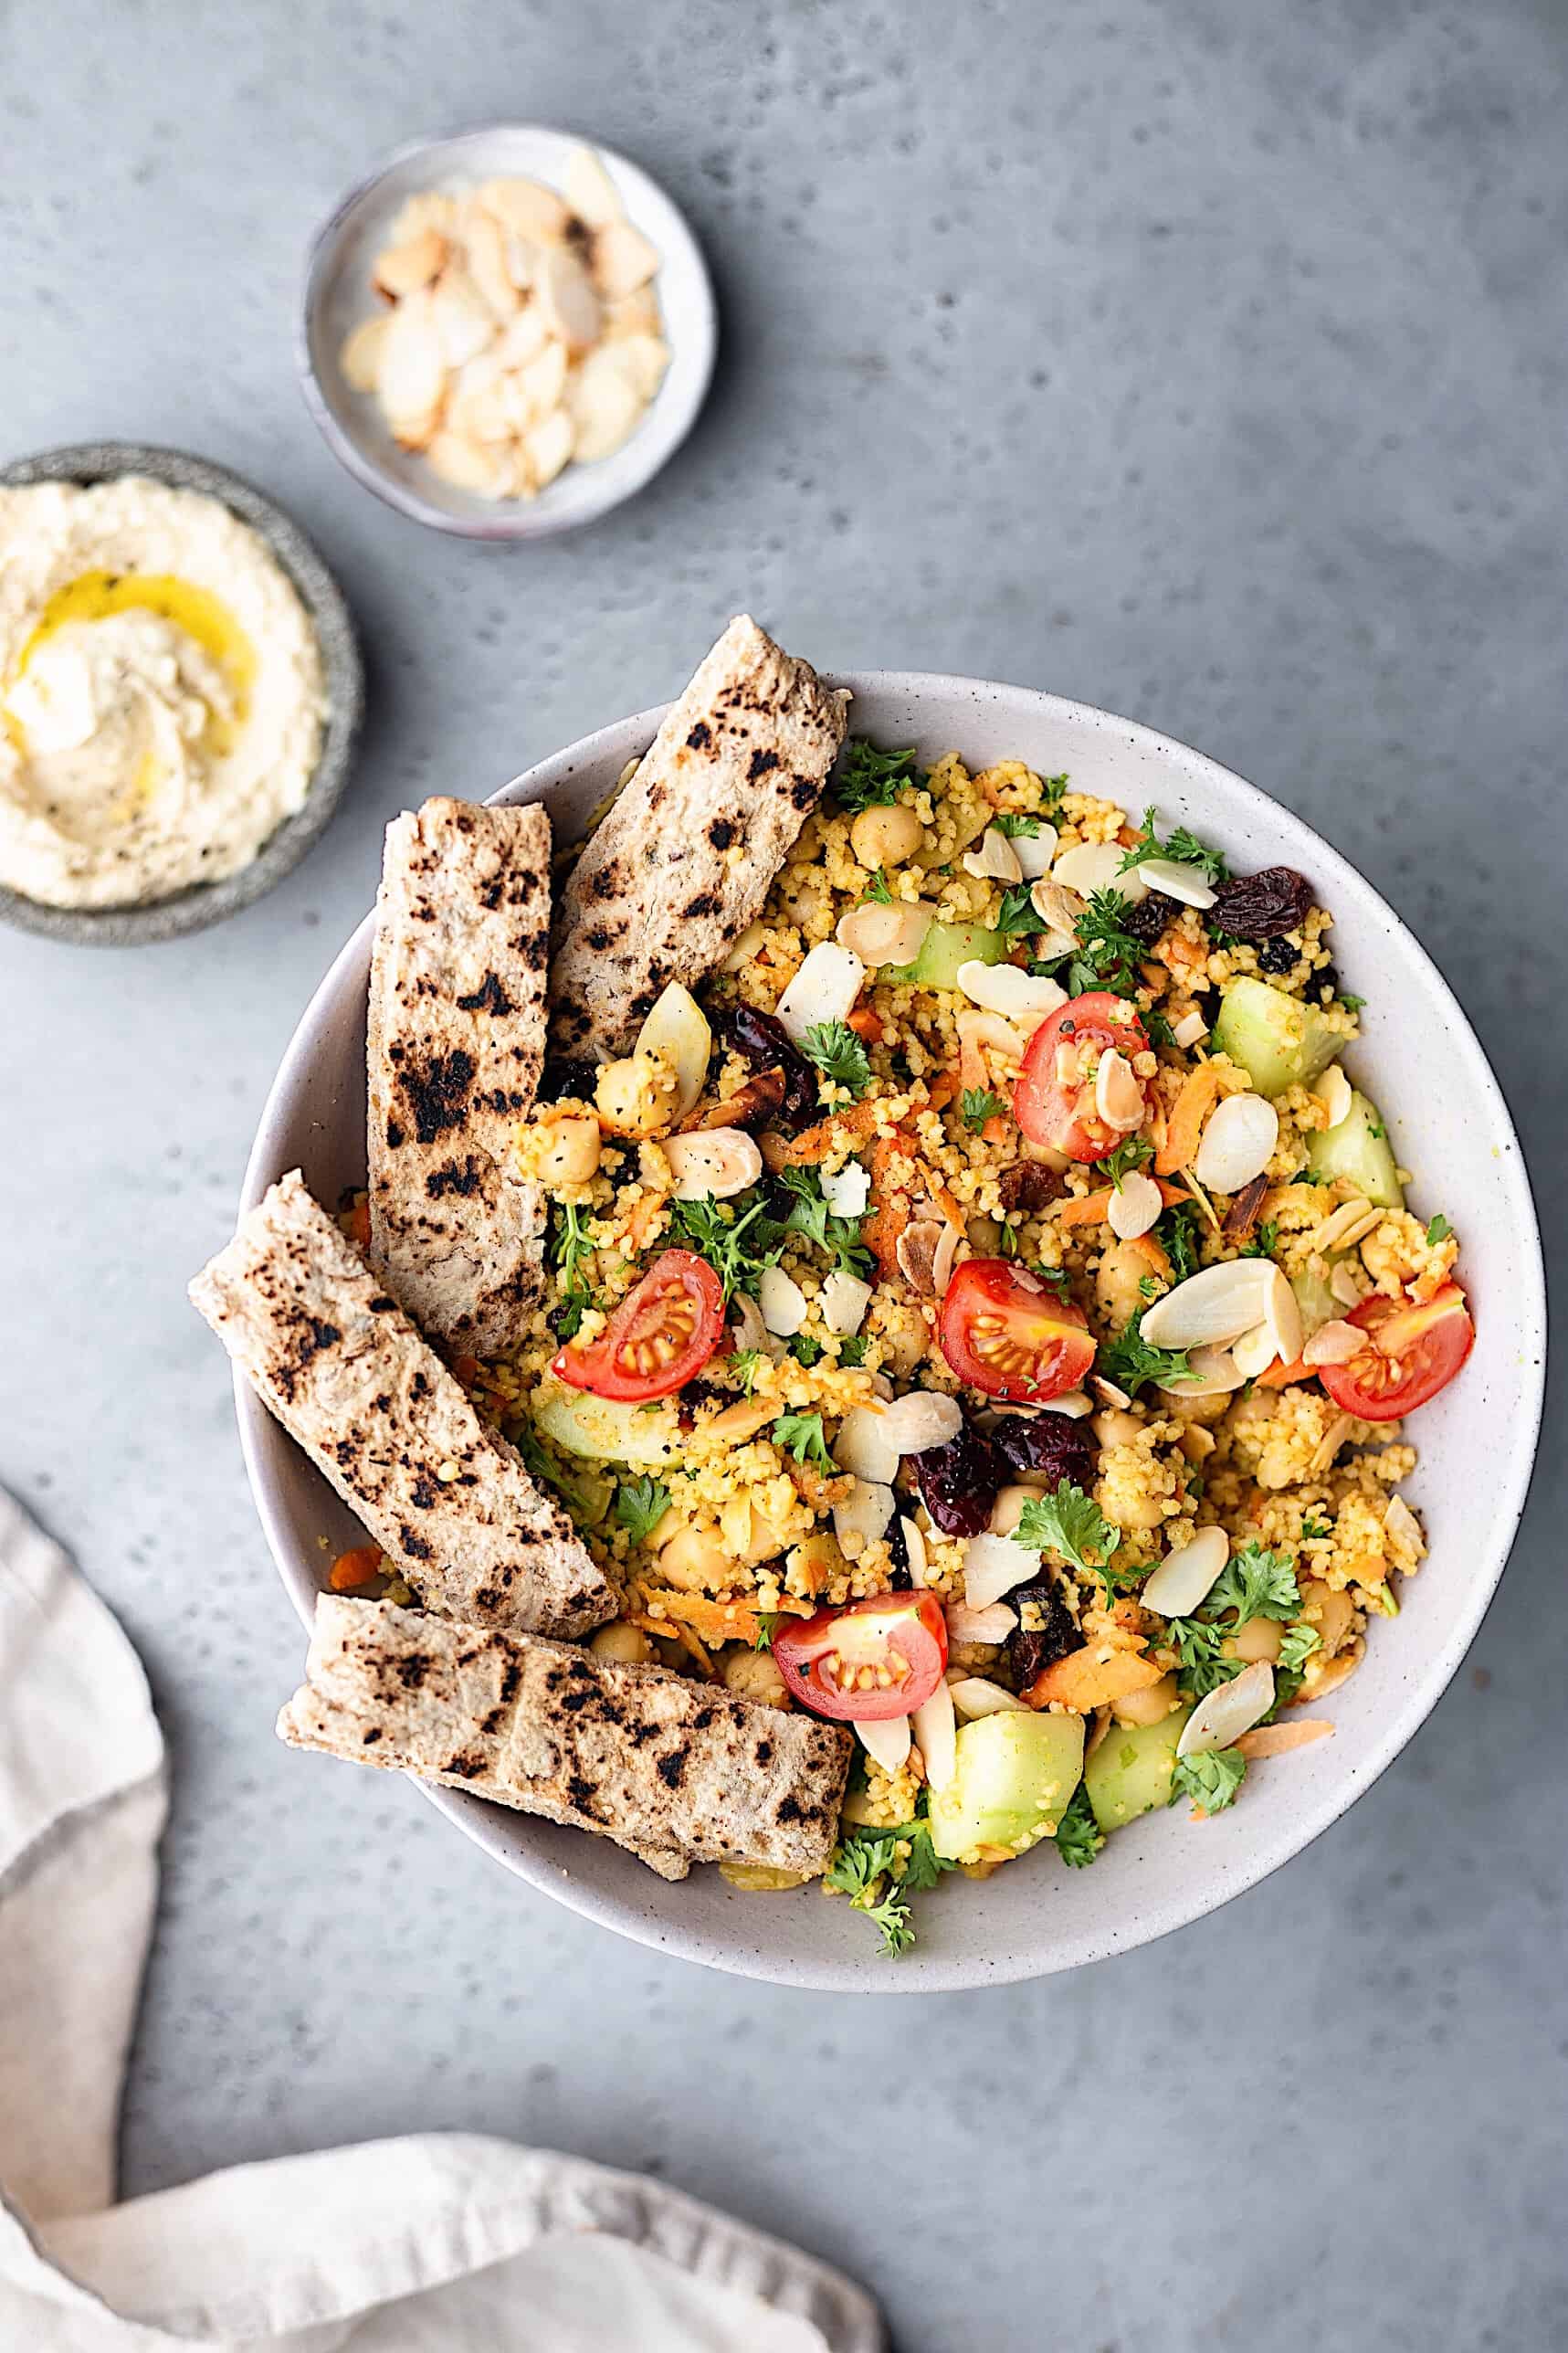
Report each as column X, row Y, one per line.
column 506, row 334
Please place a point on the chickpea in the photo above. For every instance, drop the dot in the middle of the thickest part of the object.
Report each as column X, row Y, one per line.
column 1115, row 1427
column 637, row 1094
column 622, row 1645
column 1151, row 1706
column 1008, row 1509
column 569, row 1148
column 1259, row 1638
column 1116, row 1280
column 752, row 1674
column 695, row 1560
column 885, row 836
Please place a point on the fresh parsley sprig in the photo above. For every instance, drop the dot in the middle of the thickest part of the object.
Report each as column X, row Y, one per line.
column 1132, row 1362
column 738, row 1238
column 1183, row 849
column 1211, row 1780
column 1078, row 1836
column 978, row 1105
column 1130, row 1154
column 1071, row 1524
column 872, row 779
column 802, row 1435
column 839, row 1055
column 640, row 1504
column 810, row 1215
column 1015, row 825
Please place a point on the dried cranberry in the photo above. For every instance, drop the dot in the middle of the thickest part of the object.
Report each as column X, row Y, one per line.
column 1032, row 1648
column 1261, row 906
column 959, row 1483
column 1052, row 1446
column 764, row 1044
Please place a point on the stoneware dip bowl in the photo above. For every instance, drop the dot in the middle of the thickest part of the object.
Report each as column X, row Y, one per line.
column 1422, row 1062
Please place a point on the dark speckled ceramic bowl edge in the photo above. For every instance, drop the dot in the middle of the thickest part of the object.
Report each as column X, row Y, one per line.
column 193, row 909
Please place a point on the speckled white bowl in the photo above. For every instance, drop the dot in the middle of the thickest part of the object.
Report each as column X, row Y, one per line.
column 1450, row 1124
column 338, row 296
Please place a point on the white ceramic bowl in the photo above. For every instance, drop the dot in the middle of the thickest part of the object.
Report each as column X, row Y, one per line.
column 338, row 295
column 1450, row 1124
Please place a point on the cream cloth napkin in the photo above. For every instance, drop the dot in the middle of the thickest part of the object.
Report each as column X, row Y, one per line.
column 441, row 2241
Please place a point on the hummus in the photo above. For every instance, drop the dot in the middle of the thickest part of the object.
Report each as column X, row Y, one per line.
column 160, row 693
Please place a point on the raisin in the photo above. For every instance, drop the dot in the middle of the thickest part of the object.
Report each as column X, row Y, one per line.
column 1278, row 956
column 1049, row 1445
column 764, row 1044
column 959, row 1483
column 1030, row 1186
column 1261, row 906
column 1148, row 919
column 1033, row 1648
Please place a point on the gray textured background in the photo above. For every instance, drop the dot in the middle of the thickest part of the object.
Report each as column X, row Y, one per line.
column 1202, row 360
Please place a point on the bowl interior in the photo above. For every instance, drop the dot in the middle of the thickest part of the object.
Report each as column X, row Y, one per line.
column 338, row 296
column 1450, row 1125
column 201, row 904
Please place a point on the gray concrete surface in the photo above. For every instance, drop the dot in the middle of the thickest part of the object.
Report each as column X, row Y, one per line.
column 1203, row 359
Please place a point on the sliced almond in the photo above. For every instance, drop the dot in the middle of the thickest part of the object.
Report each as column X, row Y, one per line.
column 882, row 934
column 1333, row 1344
column 411, row 376
column 431, row 208
column 991, row 1032
column 1174, row 881
column 1186, row 1576
column 887, row 1739
column 646, row 358
column 865, row 1512
column 921, row 1419
column 1096, row 866
column 540, row 385
column 824, row 989
column 782, row 1301
column 567, row 302
column 1278, row 1739
column 360, row 358
column 634, row 314
column 1238, row 1143
column 1230, row 1711
column 936, row 1736
column 844, row 1299
column 589, row 189
column 976, row 1695
column 1216, row 1305
column 1334, row 1091
column 603, row 404
column 622, row 259
column 915, row 1546
column 1135, row 1206
column 1117, row 1097
column 1346, row 1225
column 485, row 246
column 1058, row 908
column 1108, row 1392
column 865, row 1445
column 523, row 338
column 1282, row 1314
column 916, row 1251
column 547, row 446
column 528, row 208
column 463, row 320
column 404, row 268
column 1401, row 1523
column 466, row 464
column 1036, row 851
column 995, row 860
column 1254, row 1352
column 993, row 1624
column 1213, row 1373
column 1344, row 1286
column 1021, row 996
column 1328, row 1445
column 1191, row 1029
column 993, row 1565
column 716, row 1162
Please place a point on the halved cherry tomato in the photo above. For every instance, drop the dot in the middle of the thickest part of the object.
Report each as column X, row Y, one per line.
column 1411, row 1352
column 1061, row 1112
column 660, row 1335
column 878, row 1658
column 1004, row 1332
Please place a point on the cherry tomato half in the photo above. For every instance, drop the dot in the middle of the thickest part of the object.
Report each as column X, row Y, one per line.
column 875, row 1659
column 1004, row 1332
column 1411, row 1352
column 1060, row 1110
column 660, row 1335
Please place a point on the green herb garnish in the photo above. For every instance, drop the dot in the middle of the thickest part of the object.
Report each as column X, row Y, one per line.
column 810, row 1215
column 802, row 1435
column 1132, row 1364
column 1078, row 1836
column 1183, row 849
column 1439, row 1228
column 877, row 889
column 840, row 1054
column 978, row 1105
column 872, row 779
column 1130, row 1154
column 737, row 1238
column 1071, row 1524
column 640, row 1504
column 1210, row 1779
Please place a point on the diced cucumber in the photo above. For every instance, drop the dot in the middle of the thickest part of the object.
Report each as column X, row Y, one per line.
column 1316, row 1301
column 944, row 947
column 1279, row 1041
column 1130, row 1772
column 1015, row 1774
column 1358, row 1149
column 607, row 1431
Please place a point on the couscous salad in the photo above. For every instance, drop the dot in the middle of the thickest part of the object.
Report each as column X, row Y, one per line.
column 975, row 1312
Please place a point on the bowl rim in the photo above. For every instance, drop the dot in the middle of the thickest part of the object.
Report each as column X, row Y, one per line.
column 1130, row 1929
column 200, row 904
column 505, row 528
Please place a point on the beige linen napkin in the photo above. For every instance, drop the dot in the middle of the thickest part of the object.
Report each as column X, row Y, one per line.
column 439, row 2241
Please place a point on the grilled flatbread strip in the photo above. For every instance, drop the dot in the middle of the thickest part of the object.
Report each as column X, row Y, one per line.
column 336, row 1360
column 676, row 1771
column 454, row 1051
column 684, row 859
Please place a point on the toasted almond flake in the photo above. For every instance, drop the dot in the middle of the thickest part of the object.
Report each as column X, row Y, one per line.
column 844, row 1299
column 865, row 1512
column 1096, row 866
column 991, row 1032
column 1059, row 909
column 634, row 314
column 1277, row 1739
column 993, row 1565
column 1328, row 1445
column 824, row 989
column 621, row 259
column 403, row 270
column 865, row 1445
column 1073, row 1403
column 547, row 446
column 463, row 320
column 1174, row 881
column 1332, row 1090
column 1344, row 1286
column 992, row 1624
column 1238, row 1143
column 936, row 1733
column 523, row 338
column 881, row 934
column 888, row 1740
column 1019, row 997
column 995, row 860
column 603, row 404
column 846, row 1190
column 1185, row 1577
column 1333, row 1344
column 921, row 1419
column 1036, row 851
column 485, row 246
column 1338, row 1670
column 1252, row 1352
column 976, row 1695
column 589, row 189
column 528, row 208
column 429, row 209
column 360, row 358
column 646, row 358
column 915, row 1546
column 466, row 464
column 540, row 385
column 411, row 376
column 782, row 1301
column 1117, row 1097
column 1230, row 1711
column 750, row 939
column 1109, row 1392
column 1191, row 1029
column 1401, row 1523
column 567, row 302
column 677, row 1028
column 1216, row 1305
column 1135, row 1206
column 717, row 1162
column 1347, row 1222
column 1215, row 1373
